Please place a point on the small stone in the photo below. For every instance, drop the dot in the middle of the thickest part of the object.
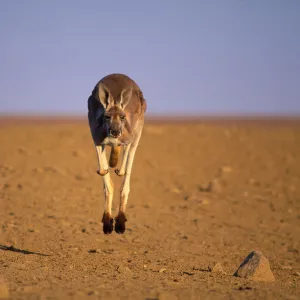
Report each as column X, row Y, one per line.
column 203, row 201
column 77, row 153
column 91, row 293
column 253, row 181
column 207, row 188
column 216, row 184
column 245, row 288
column 256, row 267
column 93, row 251
column 123, row 270
column 4, row 293
column 297, row 274
column 198, row 200
column 162, row 270
column 23, row 151
column 175, row 190
column 225, row 169
column 216, row 268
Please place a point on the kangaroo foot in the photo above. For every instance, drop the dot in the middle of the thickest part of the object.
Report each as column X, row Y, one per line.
column 102, row 172
column 108, row 223
column 117, row 171
column 120, row 223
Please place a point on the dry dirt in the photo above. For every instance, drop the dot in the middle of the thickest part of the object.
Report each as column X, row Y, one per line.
column 200, row 193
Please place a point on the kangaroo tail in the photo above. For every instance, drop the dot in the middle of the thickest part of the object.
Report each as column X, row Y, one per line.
column 114, row 156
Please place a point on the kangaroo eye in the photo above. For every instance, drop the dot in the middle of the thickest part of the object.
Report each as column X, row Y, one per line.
column 122, row 117
column 107, row 117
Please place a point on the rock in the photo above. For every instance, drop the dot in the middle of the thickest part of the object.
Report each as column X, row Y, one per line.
column 198, row 200
column 4, row 293
column 216, row 268
column 91, row 293
column 256, row 267
column 123, row 270
column 216, row 184
column 23, row 151
column 162, row 270
column 78, row 153
column 93, row 251
column 225, row 169
column 206, row 188
column 175, row 190
column 203, row 201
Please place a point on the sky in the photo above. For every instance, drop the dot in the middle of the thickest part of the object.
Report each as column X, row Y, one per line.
column 215, row 57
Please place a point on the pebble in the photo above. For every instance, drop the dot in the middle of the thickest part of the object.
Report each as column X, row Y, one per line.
column 216, row 268
column 123, row 270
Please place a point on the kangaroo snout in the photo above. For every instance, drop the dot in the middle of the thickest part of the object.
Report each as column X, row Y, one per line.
column 115, row 132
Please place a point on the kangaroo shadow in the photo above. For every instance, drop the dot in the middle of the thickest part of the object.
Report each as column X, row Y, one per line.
column 13, row 249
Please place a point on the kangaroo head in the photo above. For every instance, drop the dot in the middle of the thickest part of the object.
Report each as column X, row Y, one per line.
column 114, row 117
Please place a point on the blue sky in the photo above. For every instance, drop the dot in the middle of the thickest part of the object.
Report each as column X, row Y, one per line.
column 189, row 57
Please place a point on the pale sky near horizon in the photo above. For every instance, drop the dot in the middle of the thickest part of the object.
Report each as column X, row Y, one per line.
column 188, row 57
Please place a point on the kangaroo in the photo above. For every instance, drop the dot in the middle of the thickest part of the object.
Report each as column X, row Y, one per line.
column 116, row 109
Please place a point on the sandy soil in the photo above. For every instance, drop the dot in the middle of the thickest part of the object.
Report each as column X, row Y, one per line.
column 200, row 193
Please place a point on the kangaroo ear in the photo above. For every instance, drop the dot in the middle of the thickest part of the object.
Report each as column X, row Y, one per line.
column 125, row 97
column 104, row 95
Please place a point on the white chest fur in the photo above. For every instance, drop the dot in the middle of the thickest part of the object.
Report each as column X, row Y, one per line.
column 111, row 141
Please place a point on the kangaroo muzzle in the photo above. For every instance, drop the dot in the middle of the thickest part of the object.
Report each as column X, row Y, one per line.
column 115, row 133
column 115, row 129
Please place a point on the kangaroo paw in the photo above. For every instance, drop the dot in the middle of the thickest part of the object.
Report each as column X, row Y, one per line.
column 117, row 171
column 102, row 173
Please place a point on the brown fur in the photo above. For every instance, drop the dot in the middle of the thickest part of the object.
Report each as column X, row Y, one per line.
column 134, row 111
column 108, row 223
column 114, row 156
column 120, row 223
column 116, row 111
column 116, row 83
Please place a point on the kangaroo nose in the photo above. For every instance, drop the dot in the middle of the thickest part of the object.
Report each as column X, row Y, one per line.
column 115, row 133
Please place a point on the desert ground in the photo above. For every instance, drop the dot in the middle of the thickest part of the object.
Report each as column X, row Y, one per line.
column 202, row 192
